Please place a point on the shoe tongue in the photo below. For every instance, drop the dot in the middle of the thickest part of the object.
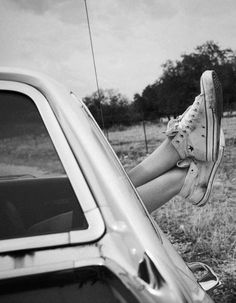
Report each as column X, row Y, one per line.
column 184, row 163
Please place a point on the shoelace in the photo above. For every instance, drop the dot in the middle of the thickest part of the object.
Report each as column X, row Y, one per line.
column 187, row 119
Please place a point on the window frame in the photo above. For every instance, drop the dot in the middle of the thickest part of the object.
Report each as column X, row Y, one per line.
column 96, row 226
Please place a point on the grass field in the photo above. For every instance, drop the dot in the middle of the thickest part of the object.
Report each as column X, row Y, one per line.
column 204, row 234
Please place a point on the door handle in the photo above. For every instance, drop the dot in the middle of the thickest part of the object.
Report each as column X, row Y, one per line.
column 205, row 275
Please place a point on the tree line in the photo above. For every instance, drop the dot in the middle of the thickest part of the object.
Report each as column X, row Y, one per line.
column 173, row 92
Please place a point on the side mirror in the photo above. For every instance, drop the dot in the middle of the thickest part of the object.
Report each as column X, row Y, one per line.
column 205, row 276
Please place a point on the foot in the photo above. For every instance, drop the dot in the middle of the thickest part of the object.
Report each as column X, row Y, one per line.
column 200, row 176
column 196, row 133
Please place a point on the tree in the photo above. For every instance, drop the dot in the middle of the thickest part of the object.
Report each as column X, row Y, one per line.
column 179, row 83
column 146, row 105
column 111, row 104
column 173, row 92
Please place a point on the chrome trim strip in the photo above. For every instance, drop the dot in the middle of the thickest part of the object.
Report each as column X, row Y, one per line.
column 19, row 272
column 35, row 270
column 34, row 242
column 94, row 231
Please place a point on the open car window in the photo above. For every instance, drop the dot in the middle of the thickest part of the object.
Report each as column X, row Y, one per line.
column 36, row 196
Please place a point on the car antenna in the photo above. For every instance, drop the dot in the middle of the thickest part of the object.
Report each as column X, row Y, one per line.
column 94, row 65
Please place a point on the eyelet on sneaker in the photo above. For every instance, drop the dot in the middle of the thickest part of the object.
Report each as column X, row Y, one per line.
column 203, row 136
column 203, row 126
column 190, row 148
column 177, row 141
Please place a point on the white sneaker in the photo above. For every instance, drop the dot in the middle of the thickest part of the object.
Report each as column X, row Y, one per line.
column 196, row 133
column 200, row 176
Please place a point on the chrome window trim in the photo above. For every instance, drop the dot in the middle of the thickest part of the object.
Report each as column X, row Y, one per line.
column 96, row 224
column 144, row 209
column 21, row 272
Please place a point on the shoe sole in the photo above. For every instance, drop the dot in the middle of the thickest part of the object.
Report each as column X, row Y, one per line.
column 205, row 198
column 213, row 100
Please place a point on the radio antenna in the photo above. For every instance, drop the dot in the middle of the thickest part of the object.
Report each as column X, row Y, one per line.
column 94, row 65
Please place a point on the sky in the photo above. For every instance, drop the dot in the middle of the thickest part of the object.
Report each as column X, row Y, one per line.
column 131, row 38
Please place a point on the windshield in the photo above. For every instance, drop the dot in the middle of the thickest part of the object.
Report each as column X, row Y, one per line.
column 85, row 285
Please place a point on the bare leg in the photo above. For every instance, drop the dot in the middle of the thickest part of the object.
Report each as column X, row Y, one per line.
column 160, row 190
column 194, row 137
column 160, row 161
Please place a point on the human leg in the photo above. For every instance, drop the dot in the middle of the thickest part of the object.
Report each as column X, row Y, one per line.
column 198, row 183
column 161, row 189
column 191, row 180
column 194, row 136
column 160, row 161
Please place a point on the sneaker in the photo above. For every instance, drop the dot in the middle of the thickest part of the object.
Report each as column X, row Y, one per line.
column 200, row 176
column 196, row 133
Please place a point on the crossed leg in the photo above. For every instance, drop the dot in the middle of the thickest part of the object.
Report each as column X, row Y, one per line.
column 157, row 178
column 186, row 162
column 160, row 190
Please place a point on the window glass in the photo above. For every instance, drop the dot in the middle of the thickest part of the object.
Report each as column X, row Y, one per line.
column 86, row 285
column 26, row 148
column 36, row 196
